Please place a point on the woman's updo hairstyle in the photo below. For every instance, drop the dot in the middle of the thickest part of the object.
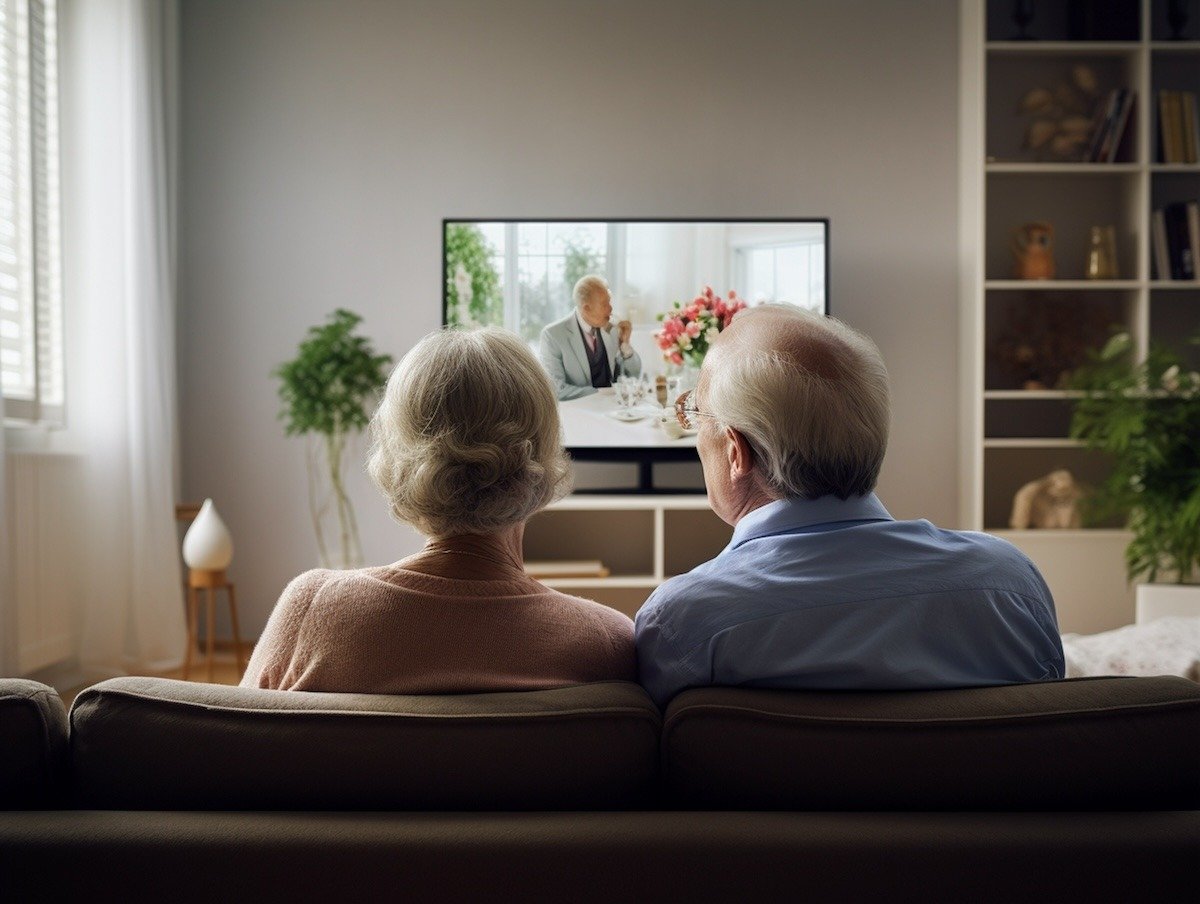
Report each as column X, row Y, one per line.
column 467, row 439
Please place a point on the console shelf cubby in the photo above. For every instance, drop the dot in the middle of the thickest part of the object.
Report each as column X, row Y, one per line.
column 641, row 539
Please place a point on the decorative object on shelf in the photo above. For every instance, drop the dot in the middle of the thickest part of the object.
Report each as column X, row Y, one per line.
column 1050, row 502
column 1044, row 337
column 1063, row 118
column 1146, row 417
column 207, row 545
column 688, row 330
column 1033, row 251
column 1177, row 18
column 1102, row 253
column 1022, row 15
column 326, row 392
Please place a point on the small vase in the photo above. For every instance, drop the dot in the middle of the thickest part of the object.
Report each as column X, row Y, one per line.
column 207, row 545
column 1102, row 253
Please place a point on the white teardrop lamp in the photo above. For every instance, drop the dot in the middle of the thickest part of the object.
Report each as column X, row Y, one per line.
column 208, row 550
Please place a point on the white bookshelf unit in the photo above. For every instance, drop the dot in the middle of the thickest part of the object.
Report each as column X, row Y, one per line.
column 641, row 539
column 1013, row 434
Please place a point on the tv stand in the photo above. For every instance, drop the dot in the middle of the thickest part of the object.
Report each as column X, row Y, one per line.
column 645, row 460
column 642, row 539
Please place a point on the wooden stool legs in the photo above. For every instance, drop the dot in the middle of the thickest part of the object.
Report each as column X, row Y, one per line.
column 210, row 581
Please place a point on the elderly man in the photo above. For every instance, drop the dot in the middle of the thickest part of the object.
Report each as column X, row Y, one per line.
column 579, row 351
column 820, row 587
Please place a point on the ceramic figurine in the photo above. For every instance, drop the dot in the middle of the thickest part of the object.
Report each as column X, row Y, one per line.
column 1048, row 502
column 1033, row 251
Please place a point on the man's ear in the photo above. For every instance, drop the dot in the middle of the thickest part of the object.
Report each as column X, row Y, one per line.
column 741, row 456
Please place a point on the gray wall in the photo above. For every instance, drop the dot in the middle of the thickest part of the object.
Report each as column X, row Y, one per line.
column 324, row 141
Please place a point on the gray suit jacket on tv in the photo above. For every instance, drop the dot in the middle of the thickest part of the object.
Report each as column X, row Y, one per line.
column 565, row 357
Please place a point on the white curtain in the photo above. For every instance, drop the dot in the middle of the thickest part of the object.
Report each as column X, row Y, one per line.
column 119, row 159
column 8, row 609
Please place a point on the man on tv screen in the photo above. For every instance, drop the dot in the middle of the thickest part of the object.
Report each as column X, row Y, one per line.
column 580, row 351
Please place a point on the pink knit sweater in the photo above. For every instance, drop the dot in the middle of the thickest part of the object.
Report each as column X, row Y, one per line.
column 388, row 630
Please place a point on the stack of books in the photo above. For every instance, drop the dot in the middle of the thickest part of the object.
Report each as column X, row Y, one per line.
column 1175, row 240
column 1177, row 136
column 1112, row 117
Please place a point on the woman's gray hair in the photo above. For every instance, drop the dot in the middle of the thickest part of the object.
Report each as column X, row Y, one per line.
column 812, row 399
column 587, row 287
column 467, row 438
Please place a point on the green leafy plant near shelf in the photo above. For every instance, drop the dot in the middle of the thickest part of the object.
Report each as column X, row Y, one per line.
column 1146, row 417
column 327, row 392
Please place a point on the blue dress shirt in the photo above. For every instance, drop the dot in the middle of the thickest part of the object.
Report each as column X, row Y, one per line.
column 833, row 594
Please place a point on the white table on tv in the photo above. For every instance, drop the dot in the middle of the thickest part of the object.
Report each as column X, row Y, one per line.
column 588, row 423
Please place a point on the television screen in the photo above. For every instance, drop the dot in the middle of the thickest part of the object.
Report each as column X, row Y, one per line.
column 620, row 358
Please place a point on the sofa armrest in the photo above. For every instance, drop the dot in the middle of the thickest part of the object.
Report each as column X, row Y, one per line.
column 33, row 744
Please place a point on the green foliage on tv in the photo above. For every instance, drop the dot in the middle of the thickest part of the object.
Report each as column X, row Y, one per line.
column 468, row 253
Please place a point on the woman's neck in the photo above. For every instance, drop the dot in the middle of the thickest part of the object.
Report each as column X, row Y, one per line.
column 472, row 557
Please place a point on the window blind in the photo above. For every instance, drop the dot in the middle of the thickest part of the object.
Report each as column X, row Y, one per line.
column 31, row 354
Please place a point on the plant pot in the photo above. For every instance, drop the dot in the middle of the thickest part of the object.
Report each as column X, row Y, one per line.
column 1156, row 601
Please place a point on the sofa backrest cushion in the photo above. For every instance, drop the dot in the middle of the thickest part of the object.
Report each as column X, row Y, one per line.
column 152, row 743
column 1082, row 744
column 33, row 744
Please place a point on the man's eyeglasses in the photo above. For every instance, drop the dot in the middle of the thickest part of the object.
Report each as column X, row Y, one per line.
column 687, row 413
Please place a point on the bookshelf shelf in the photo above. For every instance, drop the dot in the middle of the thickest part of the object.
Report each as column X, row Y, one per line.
column 1060, row 285
column 1068, row 169
column 1175, row 47
column 1072, row 48
column 1012, row 436
column 1032, row 443
column 1031, row 394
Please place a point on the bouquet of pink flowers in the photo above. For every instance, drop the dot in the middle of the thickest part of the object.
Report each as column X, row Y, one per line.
column 688, row 330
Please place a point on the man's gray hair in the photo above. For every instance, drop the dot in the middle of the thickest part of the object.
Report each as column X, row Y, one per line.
column 812, row 399
column 467, row 437
column 587, row 287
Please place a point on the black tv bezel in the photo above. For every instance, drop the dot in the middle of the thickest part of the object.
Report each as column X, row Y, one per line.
column 644, row 456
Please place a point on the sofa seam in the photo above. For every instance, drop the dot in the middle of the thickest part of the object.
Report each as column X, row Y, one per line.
column 957, row 720
column 343, row 712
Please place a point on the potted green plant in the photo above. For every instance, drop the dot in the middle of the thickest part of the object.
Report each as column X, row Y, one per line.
column 1146, row 416
column 328, row 391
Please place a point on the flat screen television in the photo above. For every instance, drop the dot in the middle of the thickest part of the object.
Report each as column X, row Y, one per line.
column 520, row 273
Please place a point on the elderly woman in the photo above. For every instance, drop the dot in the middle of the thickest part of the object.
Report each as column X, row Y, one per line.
column 466, row 448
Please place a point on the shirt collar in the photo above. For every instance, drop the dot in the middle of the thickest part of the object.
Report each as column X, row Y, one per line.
column 583, row 325
column 790, row 515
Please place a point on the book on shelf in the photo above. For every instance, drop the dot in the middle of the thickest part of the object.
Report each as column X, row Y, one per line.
column 1178, row 139
column 1179, row 244
column 1188, row 102
column 1158, row 239
column 1105, row 113
column 1112, row 118
column 564, row 568
column 1175, row 240
column 1193, row 227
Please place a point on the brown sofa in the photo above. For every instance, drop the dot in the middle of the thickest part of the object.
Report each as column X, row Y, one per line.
column 1072, row 790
